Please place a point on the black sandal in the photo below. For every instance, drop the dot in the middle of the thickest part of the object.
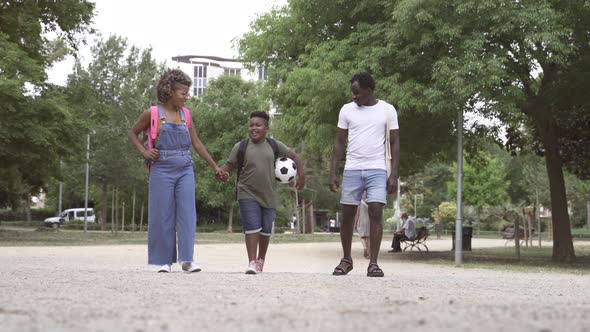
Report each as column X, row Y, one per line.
column 343, row 267
column 374, row 272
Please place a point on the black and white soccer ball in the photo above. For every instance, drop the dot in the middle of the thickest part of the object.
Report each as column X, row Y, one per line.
column 285, row 170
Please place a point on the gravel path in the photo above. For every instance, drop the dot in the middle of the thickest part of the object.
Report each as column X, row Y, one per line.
column 109, row 288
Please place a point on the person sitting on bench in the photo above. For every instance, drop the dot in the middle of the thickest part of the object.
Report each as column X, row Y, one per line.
column 408, row 232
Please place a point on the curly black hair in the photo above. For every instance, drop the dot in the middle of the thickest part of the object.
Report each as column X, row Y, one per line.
column 364, row 79
column 169, row 82
column 260, row 114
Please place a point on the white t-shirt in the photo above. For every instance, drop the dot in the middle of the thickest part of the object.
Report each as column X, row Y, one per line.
column 366, row 134
column 409, row 227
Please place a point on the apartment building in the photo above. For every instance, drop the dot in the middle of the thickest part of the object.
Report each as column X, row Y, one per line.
column 203, row 68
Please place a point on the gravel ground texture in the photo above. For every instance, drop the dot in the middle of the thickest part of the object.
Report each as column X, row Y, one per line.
column 110, row 288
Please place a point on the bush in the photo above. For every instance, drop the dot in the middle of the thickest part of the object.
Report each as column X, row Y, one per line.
column 79, row 225
column 36, row 214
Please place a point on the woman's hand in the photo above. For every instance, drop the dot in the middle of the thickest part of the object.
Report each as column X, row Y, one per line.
column 151, row 154
column 221, row 175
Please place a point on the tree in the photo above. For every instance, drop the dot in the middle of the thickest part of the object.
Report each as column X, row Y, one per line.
column 110, row 94
column 37, row 127
column 310, row 58
column 484, row 182
column 525, row 63
column 445, row 214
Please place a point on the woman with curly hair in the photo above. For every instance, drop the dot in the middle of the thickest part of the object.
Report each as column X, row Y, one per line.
column 171, row 204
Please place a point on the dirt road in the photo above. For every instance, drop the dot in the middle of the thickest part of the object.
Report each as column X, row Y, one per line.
column 109, row 288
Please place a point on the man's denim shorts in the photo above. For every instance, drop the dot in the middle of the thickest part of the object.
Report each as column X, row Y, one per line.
column 355, row 182
column 256, row 218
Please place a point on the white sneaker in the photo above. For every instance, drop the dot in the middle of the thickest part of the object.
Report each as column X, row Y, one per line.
column 251, row 268
column 191, row 267
column 164, row 268
column 259, row 265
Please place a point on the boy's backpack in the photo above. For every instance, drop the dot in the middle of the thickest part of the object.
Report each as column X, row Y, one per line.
column 152, row 131
column 242, row 153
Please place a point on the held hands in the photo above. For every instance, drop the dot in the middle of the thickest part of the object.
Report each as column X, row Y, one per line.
column 221, row 175
column 151, row 154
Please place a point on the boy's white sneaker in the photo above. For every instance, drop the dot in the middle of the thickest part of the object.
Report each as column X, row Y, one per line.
column 164, row 268
column 259, row 265
column 251, row 268
column 191, row 267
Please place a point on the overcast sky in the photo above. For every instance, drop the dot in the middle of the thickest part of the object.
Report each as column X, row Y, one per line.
column 173, row 27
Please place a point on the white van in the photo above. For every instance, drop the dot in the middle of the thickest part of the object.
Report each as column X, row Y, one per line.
column 70, row 214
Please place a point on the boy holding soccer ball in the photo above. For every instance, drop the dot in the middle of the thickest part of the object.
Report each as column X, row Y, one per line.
column 254, row 160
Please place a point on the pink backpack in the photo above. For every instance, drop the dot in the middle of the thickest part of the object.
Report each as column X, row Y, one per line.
column 153, row 129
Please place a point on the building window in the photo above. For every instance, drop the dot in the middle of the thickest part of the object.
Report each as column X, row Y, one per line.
column 232, row 71
column 200, row 80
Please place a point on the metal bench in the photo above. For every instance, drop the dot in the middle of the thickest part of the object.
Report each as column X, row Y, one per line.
column 419, row 242
column 508, row 235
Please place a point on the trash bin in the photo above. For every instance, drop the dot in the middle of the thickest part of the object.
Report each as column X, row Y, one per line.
column 467, row 235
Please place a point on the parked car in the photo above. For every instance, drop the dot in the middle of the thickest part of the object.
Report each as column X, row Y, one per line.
column 68, row 215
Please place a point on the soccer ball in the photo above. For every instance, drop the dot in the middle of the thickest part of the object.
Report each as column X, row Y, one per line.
column 285, row 170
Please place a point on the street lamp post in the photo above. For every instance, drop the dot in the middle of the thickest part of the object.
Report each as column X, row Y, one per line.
column 86, row 185
column 458, row 221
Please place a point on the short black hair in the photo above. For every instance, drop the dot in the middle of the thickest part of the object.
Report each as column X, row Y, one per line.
column 260, row 114
column 364, row 79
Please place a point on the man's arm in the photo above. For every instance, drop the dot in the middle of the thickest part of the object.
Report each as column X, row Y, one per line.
column 341, row 138
column 394, row 146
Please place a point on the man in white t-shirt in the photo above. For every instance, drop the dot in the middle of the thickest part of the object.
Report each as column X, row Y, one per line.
column 363, row 124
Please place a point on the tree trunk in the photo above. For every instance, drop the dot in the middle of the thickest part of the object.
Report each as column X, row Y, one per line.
column 517, row 237
column 525, row 228
column 27, row 207
column 123, row 217
column 133, row 212
column 113, row 212
column 105, row 205
column 116, row 220
column 141, row 218
column 563, row 248
column 588, row 214
column 231, row 217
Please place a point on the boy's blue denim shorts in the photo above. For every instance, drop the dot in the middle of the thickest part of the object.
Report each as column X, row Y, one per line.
column 355, row 182
column 256, row 218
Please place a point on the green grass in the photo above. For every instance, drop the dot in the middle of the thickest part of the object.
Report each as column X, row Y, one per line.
column 42, row 236
column 532, row 259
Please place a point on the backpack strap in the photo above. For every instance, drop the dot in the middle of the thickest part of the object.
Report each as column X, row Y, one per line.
column 241, row 154
column 275, row 147
column 153, row 128
column 187, row 117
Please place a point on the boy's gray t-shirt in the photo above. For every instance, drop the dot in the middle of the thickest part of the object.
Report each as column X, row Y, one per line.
column 257, row 179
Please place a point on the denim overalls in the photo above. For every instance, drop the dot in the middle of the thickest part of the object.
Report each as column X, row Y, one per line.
column 172, row 207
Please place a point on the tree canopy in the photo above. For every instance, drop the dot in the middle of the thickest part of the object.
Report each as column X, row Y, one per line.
column 37, row 127
column 522, row 62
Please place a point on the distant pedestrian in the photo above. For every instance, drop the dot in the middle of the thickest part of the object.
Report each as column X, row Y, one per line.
column 363, row 226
